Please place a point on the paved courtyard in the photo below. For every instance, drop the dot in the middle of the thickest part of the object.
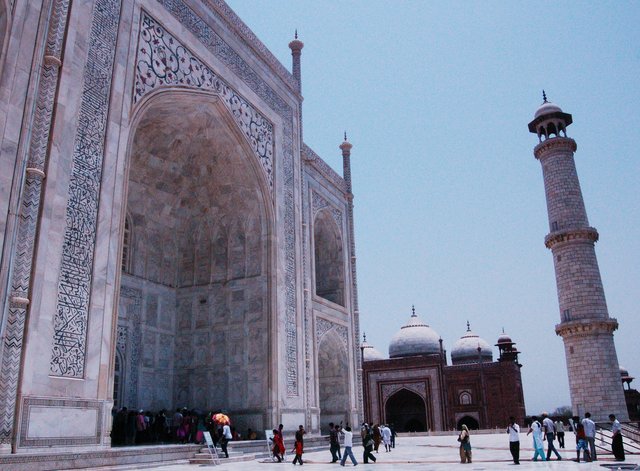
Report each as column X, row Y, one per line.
column 435, row 453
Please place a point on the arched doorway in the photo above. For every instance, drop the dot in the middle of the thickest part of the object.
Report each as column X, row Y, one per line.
column 329, row 258
column 198, row 245
column 469, row 421
column 333, row 381
column 406, row 411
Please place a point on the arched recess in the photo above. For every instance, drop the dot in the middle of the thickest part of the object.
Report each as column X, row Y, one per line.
column 194, row 190
column 329, row 258
column 118, row 380
column 407, row 411
column 471, row 422
column 333, row 381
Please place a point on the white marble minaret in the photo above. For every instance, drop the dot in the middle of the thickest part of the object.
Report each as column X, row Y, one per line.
column 585, row 325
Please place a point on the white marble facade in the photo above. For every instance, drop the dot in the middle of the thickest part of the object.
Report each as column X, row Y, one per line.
column 163, row 223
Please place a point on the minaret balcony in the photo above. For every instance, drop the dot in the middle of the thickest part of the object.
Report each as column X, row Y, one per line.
column 581, row 234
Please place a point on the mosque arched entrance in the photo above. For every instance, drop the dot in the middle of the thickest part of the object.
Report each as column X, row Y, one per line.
column 471, row 422
column 195, row 300
column 406, row 410
column 333, row 381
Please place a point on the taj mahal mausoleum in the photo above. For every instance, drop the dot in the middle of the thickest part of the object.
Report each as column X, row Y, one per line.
column 168, row 239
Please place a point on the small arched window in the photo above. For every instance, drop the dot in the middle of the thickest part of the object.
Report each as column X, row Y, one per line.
column 465, row 398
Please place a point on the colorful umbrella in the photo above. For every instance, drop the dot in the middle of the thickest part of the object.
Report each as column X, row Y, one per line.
column 221, row 419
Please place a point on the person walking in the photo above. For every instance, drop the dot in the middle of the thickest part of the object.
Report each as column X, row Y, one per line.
column 617, row 446
column 386, row 437
column 334, row 443
column 590, row 434
column 299, row 445
column 367, row 443
column 278, row 446
column 514, row 439
column 225, row 438
column 560, row 432
column 581, row 443
column 550, row 433
column 465, row 445
column 348, row 444
column 536, row 429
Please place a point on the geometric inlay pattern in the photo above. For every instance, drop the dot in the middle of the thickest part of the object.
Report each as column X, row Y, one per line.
column 163, row 60
column 74, row 285
column 219, row 48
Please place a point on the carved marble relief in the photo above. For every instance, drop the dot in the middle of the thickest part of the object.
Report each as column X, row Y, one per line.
column 323, row 326
column 319, row 203
column 163, row 61
column 74, row 285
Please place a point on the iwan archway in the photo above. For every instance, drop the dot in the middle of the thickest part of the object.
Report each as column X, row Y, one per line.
column 406, row 410
column 194, row 315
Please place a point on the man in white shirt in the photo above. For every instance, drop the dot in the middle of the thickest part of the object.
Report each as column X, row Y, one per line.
column 226, row 438
column 514, row 439
column 550, row 432
column 590, row 434
column 617, row 446
column 348, row 444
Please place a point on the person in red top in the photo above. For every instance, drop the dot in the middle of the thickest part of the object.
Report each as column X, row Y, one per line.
column 278, row 445
column 299, row 445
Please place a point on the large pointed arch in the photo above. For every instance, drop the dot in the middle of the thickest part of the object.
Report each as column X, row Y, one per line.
column 407, row 411
column 333, row 380
column 329, row 259
column 193, row 182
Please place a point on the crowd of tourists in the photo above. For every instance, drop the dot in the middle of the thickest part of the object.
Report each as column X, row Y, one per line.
column 545, row 429
column 140, row 427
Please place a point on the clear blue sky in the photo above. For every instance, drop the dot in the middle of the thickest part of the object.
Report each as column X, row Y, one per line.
column 449, row 200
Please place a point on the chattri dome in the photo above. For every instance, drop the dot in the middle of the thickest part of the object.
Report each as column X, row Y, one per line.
column 369, row 353
column 465, row 350
column 414, row 338
column 546, row 108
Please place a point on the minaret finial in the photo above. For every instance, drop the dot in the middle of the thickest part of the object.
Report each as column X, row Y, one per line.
column 468, row 327
column 544, row 97
column 413, row 311
column 296, row 34
column 345, row 136
column 503, row 330
column 364, row 336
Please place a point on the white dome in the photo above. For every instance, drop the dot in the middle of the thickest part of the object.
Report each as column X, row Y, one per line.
column 369, row 353
column 414, row 338
column 547, row 108
column 465, row 350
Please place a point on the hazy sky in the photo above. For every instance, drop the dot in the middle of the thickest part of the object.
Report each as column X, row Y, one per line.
column 450, row 213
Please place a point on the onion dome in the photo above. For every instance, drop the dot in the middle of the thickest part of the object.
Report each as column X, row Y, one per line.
column 465, row 350
column 546, row 108
column 504, row 339
column 369, row 353
column 414, row 338
column 549, row 120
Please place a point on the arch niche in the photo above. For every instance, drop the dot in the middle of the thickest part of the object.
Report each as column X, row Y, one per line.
column 199, row 229
column 329, row 258
column 471, row 422
column 407, row 411
column 333, row 381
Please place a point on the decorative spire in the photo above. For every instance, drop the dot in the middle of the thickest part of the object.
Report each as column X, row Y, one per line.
column 468, row 327
column 364, row 336
column 413, row 311
column 345, row 136
column 544, row 97
column 296, row 34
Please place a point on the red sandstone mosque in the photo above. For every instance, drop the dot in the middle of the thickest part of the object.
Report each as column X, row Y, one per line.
column 416, row 389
